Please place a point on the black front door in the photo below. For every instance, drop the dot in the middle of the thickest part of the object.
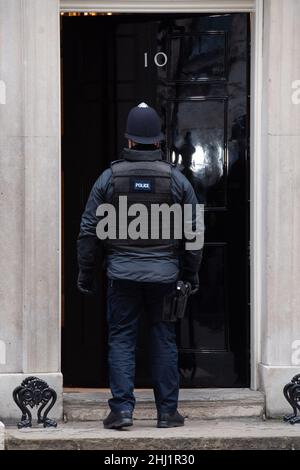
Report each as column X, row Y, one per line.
column 194, row 69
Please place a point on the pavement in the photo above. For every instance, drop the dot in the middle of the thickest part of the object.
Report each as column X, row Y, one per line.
column 214, row 434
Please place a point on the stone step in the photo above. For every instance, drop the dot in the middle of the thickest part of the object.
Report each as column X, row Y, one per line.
column 233, row 434
column 193, row 404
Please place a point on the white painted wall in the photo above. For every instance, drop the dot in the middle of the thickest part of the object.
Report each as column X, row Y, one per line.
column 11, row 187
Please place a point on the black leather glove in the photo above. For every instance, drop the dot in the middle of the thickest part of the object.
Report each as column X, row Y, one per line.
column 193, row 279
column 85, row 282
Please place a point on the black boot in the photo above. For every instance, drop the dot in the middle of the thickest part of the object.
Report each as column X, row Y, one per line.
column 118, row 420
column 170, row 420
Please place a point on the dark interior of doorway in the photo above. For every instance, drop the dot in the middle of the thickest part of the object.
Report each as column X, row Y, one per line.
column 103, row 75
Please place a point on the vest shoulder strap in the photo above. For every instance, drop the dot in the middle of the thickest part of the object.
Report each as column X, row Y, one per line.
column 114, row 162
column 158, row 168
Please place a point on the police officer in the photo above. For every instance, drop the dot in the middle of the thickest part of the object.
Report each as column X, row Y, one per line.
column 142, row 274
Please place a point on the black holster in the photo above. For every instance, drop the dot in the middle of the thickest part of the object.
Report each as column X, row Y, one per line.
column 175, row 303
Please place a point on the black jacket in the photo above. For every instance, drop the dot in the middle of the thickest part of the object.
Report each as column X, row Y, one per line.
column 143, row 265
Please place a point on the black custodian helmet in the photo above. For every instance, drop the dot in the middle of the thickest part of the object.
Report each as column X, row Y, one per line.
column 143, row 125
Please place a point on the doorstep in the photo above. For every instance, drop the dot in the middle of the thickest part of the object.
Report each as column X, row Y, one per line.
column 228, row 434
column 193, row 404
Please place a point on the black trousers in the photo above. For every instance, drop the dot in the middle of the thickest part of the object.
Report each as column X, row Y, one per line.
column 126, row 301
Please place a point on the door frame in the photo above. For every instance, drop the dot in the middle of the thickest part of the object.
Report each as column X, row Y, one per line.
column 256, row 8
